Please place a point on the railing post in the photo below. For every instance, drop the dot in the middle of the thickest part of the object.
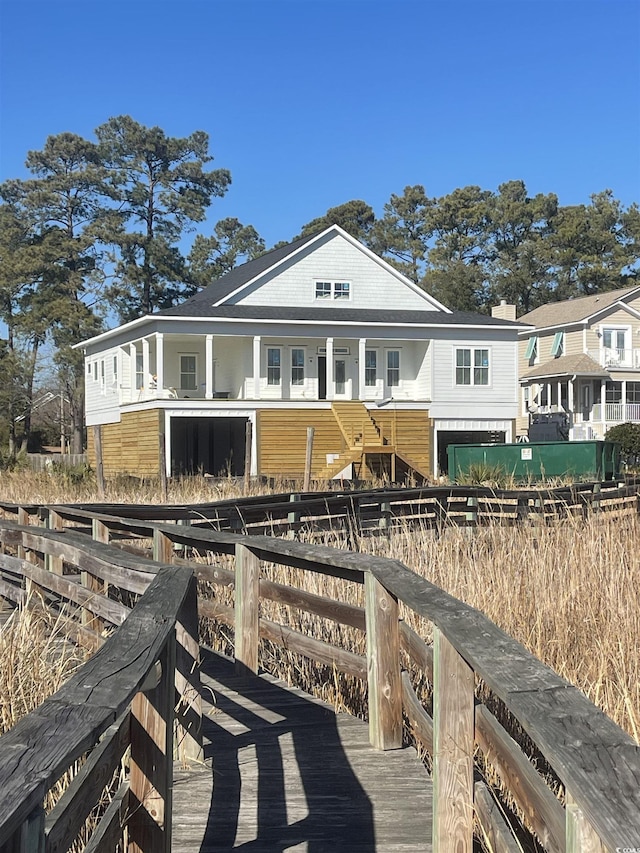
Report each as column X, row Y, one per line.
column 151, row 776
column 385, row 515
column 471, row 515
column 162, row 547
column 581, row 837
column 51, row 563
column 247, row 601
column 23, row 518
column 383, row 665
column 30, row 835
column 453, row 741
column 188, row 724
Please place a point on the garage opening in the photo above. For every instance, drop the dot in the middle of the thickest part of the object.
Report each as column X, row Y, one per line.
column 447, row 437
column 213, row 446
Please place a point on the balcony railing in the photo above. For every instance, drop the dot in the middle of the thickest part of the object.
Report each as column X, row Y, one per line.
column 616, row 413
column 623, row 359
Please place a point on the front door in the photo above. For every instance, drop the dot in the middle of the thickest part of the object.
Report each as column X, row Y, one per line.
column 340, row 377
column 586, row 402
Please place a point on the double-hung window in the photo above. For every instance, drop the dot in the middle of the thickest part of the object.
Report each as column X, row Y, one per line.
column 370, row 368
column 273, row 366
column 333, row 290
column 393, row 368
column 297, row 366
column 115, row 370
column 188, row 375
column 472, row 366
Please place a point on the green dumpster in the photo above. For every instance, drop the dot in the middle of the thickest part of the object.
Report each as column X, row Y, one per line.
column 533, row 462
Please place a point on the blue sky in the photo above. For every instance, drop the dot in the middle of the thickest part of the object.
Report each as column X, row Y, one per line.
column 310, row 103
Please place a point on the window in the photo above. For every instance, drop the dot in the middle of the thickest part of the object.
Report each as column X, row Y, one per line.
column 139, row 371
column 532, row 349
column 333, row 290
column 633, row 392
column 323, row 290
column 393, row 368
column 95, row 371
column 370, row 368
column 613, row 392
column 613, row 339
column 102, row 376
column 88, row 368
column 273, row 366
column 188, row 377
column 115, row 370
column 297, row 367
column 557, row 347
column 465, row 374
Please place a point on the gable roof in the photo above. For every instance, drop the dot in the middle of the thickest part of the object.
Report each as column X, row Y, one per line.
column 575, row 310
column 567, row 365
column 231, row 283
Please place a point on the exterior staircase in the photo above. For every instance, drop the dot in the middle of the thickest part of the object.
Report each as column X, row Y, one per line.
column 356, row 425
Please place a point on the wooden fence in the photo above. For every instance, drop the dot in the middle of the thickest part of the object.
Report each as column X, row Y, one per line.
column 595, row 763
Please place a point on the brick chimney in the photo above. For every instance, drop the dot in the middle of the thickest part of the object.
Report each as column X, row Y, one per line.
column 504, row 311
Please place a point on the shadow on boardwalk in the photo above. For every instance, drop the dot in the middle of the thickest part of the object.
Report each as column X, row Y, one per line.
column 288, row 774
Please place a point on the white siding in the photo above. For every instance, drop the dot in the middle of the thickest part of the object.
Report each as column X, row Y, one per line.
column 101, row 388
column 371, row 284
column 497, row 400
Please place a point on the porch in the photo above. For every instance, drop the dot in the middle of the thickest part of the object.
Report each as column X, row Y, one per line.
column 257, row 368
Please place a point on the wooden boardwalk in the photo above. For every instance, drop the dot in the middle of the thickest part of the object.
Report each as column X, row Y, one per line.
column 284, row 772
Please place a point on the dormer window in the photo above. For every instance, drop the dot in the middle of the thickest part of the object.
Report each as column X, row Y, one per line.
column 333, row 290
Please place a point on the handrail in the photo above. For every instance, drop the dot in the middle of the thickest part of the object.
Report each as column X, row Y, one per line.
column 122, row 697
column 597, row 763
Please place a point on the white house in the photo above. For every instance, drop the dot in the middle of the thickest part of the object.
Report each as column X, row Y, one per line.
column 321, row 332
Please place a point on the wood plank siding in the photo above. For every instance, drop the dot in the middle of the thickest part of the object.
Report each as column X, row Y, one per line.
column 131, row 446
column 282, row 440
column 412, row 432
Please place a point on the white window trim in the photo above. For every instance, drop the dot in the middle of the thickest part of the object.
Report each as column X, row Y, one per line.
column 332, row 296
column 302, row 384
column 387, row 350
column 473, row 348
column 182, row 355
column 266, row 361
column 375, row 351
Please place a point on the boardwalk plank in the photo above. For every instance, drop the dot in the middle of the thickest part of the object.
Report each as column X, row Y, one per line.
column 285, row 773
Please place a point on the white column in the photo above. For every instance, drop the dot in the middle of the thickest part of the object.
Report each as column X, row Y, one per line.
column 549, row 397
column 146, row 369
column 624, row 400
column 208, row 368
column 331, row 389
column 570, row 398
column 160, row 360
column 362, row 350
column 257, row 340
column 603, row 397
column 132, row 371
column 559, row 389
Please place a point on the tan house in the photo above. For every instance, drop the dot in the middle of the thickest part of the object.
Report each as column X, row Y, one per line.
column 581, row 360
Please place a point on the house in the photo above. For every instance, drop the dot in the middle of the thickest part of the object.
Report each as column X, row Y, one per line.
column 580, row 359
column 321, row 332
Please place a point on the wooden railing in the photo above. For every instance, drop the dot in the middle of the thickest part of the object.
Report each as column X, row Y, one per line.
column 121, row 708
column 478, row 674
column 361, row 511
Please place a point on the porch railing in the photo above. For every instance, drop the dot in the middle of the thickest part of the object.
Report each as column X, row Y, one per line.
column 622, row 358
column 617, row 413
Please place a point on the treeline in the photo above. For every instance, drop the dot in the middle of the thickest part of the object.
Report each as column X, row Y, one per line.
column 99, row 228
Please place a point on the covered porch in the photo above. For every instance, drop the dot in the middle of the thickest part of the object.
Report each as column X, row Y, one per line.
column 162, row 366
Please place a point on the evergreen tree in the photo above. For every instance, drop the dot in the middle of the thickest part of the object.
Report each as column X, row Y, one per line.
column 231, row 244
column 162, row 188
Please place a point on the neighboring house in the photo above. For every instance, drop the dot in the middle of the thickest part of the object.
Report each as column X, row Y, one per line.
column 582, row 358
column 321, row 332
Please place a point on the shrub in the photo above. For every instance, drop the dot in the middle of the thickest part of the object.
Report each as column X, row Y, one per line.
column 628, row 437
